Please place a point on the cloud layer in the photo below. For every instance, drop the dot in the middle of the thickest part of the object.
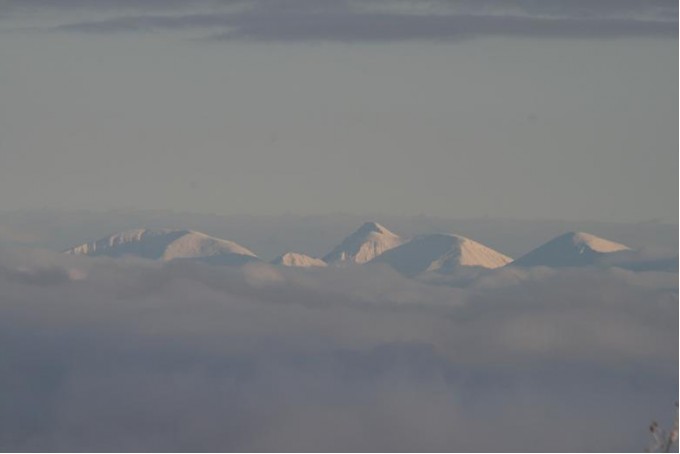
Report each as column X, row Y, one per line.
column 128, row 355
column 346, row 21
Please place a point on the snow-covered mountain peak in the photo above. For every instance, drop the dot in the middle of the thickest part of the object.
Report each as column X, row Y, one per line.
column 369, row 227
column 298, row 260
column 595, row 243
column 197, row 244
column 571, row 249
column 443, row 253
column 367, row 242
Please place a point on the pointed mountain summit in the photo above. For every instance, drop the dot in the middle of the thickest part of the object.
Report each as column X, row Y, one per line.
column 166, row 245
column 297, row 260
column 366, row 243
column 571, row 249
column 444, row 253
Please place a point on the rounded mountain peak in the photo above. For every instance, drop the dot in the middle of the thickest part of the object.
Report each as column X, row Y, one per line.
column 571, row 249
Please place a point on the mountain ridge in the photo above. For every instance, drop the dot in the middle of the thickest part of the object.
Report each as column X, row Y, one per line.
column 165, row 245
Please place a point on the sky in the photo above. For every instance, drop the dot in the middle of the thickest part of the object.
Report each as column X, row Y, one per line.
column 519, row 109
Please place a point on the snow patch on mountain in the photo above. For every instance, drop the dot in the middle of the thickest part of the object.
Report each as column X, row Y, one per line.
column 295, row 259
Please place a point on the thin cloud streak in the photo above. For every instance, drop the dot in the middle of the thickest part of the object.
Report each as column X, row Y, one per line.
column 291, row 27
column 376, row 27
column 584, row 8
column 374, row 21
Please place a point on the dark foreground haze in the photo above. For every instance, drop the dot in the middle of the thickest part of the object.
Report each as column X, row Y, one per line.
column 101, row 354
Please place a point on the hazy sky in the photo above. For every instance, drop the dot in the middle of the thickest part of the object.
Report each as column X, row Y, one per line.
column 523, row 109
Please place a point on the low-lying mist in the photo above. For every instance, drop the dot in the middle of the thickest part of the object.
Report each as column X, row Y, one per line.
column 104, row 354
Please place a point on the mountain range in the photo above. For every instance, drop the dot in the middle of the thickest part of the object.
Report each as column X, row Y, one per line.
column 441, row 253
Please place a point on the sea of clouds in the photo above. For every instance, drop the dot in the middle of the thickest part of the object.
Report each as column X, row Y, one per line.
column 104, row 354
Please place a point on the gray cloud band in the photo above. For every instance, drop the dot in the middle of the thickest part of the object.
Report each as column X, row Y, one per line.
column 375, row 27
column 372, row 21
